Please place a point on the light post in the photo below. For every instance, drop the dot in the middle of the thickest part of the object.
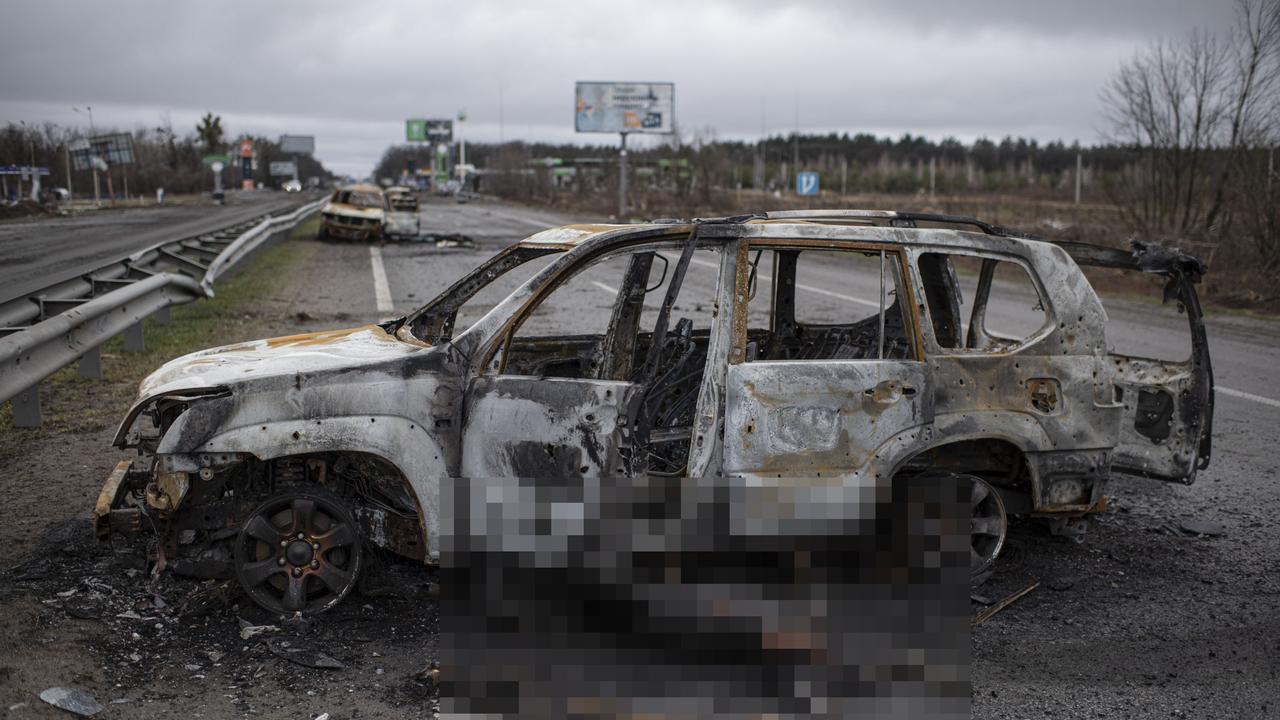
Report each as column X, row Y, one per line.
column 88, row 110
column 462, row 151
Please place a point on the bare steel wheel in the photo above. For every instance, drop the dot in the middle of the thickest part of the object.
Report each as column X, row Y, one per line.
column 298, row 552
column 987, row 524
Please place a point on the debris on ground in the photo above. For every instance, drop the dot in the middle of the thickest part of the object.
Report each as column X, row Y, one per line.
column 74, row 701
column 1202, row 528
column 990, row 612
column 446, row 240
column 249, row 631
column 303, row 654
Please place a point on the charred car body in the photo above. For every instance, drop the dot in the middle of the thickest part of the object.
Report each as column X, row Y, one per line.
column 279, row 460
column 402, row 212
column 354, row 212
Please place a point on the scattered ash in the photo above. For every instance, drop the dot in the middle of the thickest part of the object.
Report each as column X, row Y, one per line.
column 157, row 634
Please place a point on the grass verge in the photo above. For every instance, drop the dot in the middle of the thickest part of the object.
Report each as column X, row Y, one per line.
column 71, row 403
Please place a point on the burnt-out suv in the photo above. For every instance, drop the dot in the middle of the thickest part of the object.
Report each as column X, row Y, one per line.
column 800, row 360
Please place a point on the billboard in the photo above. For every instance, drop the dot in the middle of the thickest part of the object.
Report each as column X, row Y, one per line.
column 298, row 144
column 280, row 168
column 111, row 150
column 422, row 130
column 615, row 107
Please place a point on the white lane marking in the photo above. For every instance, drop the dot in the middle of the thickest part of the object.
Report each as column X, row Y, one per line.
column 381, row 290
column 806, row 288
column 606, row 288
column 1247, row 396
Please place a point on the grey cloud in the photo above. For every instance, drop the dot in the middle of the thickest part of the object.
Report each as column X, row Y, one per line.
column 351, row 72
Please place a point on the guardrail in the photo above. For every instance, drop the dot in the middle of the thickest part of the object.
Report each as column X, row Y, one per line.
column 46, row 330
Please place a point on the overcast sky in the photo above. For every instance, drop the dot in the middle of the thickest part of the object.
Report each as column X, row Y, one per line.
column 351, row 72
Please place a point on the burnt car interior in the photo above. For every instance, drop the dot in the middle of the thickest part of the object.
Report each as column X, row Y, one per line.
column 799, row 323
column 358, row 198
column 403, row 202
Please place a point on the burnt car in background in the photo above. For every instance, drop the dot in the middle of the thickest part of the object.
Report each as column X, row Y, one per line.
column 354, row 212
column 802, row 359
column 402, row 212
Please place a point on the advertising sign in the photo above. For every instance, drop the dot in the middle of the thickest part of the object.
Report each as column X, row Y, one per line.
column 297, row 144
column 282, row 168
column 807, row 183
column 422, row 130
column 110, row 150
column 246, row 148
column 613, row 107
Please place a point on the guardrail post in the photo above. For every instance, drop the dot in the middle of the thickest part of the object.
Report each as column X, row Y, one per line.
column 26, row 408
column 133, row 341
column 91, row 363
column 162, row 316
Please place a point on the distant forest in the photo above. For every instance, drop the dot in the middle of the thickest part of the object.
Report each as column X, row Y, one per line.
column 855, row 163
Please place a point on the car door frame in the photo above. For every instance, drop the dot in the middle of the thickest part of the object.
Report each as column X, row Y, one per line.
column 599, row 413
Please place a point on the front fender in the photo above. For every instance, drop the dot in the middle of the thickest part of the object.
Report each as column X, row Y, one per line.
column 403, row 442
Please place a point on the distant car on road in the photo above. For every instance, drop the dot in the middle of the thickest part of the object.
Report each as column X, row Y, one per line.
column 402, row 213
column 354, row 212
column 292, row 186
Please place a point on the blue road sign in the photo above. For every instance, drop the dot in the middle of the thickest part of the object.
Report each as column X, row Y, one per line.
column 807, row 183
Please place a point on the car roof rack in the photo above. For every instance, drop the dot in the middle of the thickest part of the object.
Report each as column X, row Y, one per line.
column 897, row 218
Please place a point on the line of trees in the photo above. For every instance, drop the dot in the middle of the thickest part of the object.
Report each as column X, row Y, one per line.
column 163, row 156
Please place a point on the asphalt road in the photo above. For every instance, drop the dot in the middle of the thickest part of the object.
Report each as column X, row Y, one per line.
column 1141, row 620
column 37, row 252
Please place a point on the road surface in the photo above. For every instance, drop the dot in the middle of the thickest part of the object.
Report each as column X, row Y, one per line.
column 38, row 252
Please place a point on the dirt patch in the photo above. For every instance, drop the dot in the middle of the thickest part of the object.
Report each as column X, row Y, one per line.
column 78, row 614
column 24, row 209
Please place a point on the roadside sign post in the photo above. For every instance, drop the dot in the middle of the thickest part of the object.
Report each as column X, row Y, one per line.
column 806, row 183
column 296, row 145
column 246, row 164
column 216, row 167
column 624, row 108
column 622, row 178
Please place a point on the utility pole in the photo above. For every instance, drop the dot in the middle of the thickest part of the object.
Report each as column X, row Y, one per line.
column 844, row 176
column 933, row 171
column 462, row 149
column 66, row 146
column 1079, row 165
column 795, row 159
column 757, row 180
column 622, row 179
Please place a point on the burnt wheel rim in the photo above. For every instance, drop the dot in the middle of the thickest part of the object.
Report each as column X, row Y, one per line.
column 987, row 525
column 298, row 553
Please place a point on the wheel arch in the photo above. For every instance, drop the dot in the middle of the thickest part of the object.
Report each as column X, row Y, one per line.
column 419, row 460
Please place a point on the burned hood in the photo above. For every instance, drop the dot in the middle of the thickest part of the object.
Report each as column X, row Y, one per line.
column 308, row 354
column 344, row 210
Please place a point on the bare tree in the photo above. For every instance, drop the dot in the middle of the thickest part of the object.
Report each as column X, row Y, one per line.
column 1198, row 111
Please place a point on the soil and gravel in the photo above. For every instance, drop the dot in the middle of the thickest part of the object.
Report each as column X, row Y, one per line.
column 1169, row 608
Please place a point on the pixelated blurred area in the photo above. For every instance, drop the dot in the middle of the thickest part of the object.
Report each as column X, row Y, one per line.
column 623, row 597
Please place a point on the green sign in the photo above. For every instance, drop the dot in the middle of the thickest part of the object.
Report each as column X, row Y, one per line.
column 415, row 130
column 209, row 160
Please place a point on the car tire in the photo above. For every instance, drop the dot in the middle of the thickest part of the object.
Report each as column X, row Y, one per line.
column 299, row 551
